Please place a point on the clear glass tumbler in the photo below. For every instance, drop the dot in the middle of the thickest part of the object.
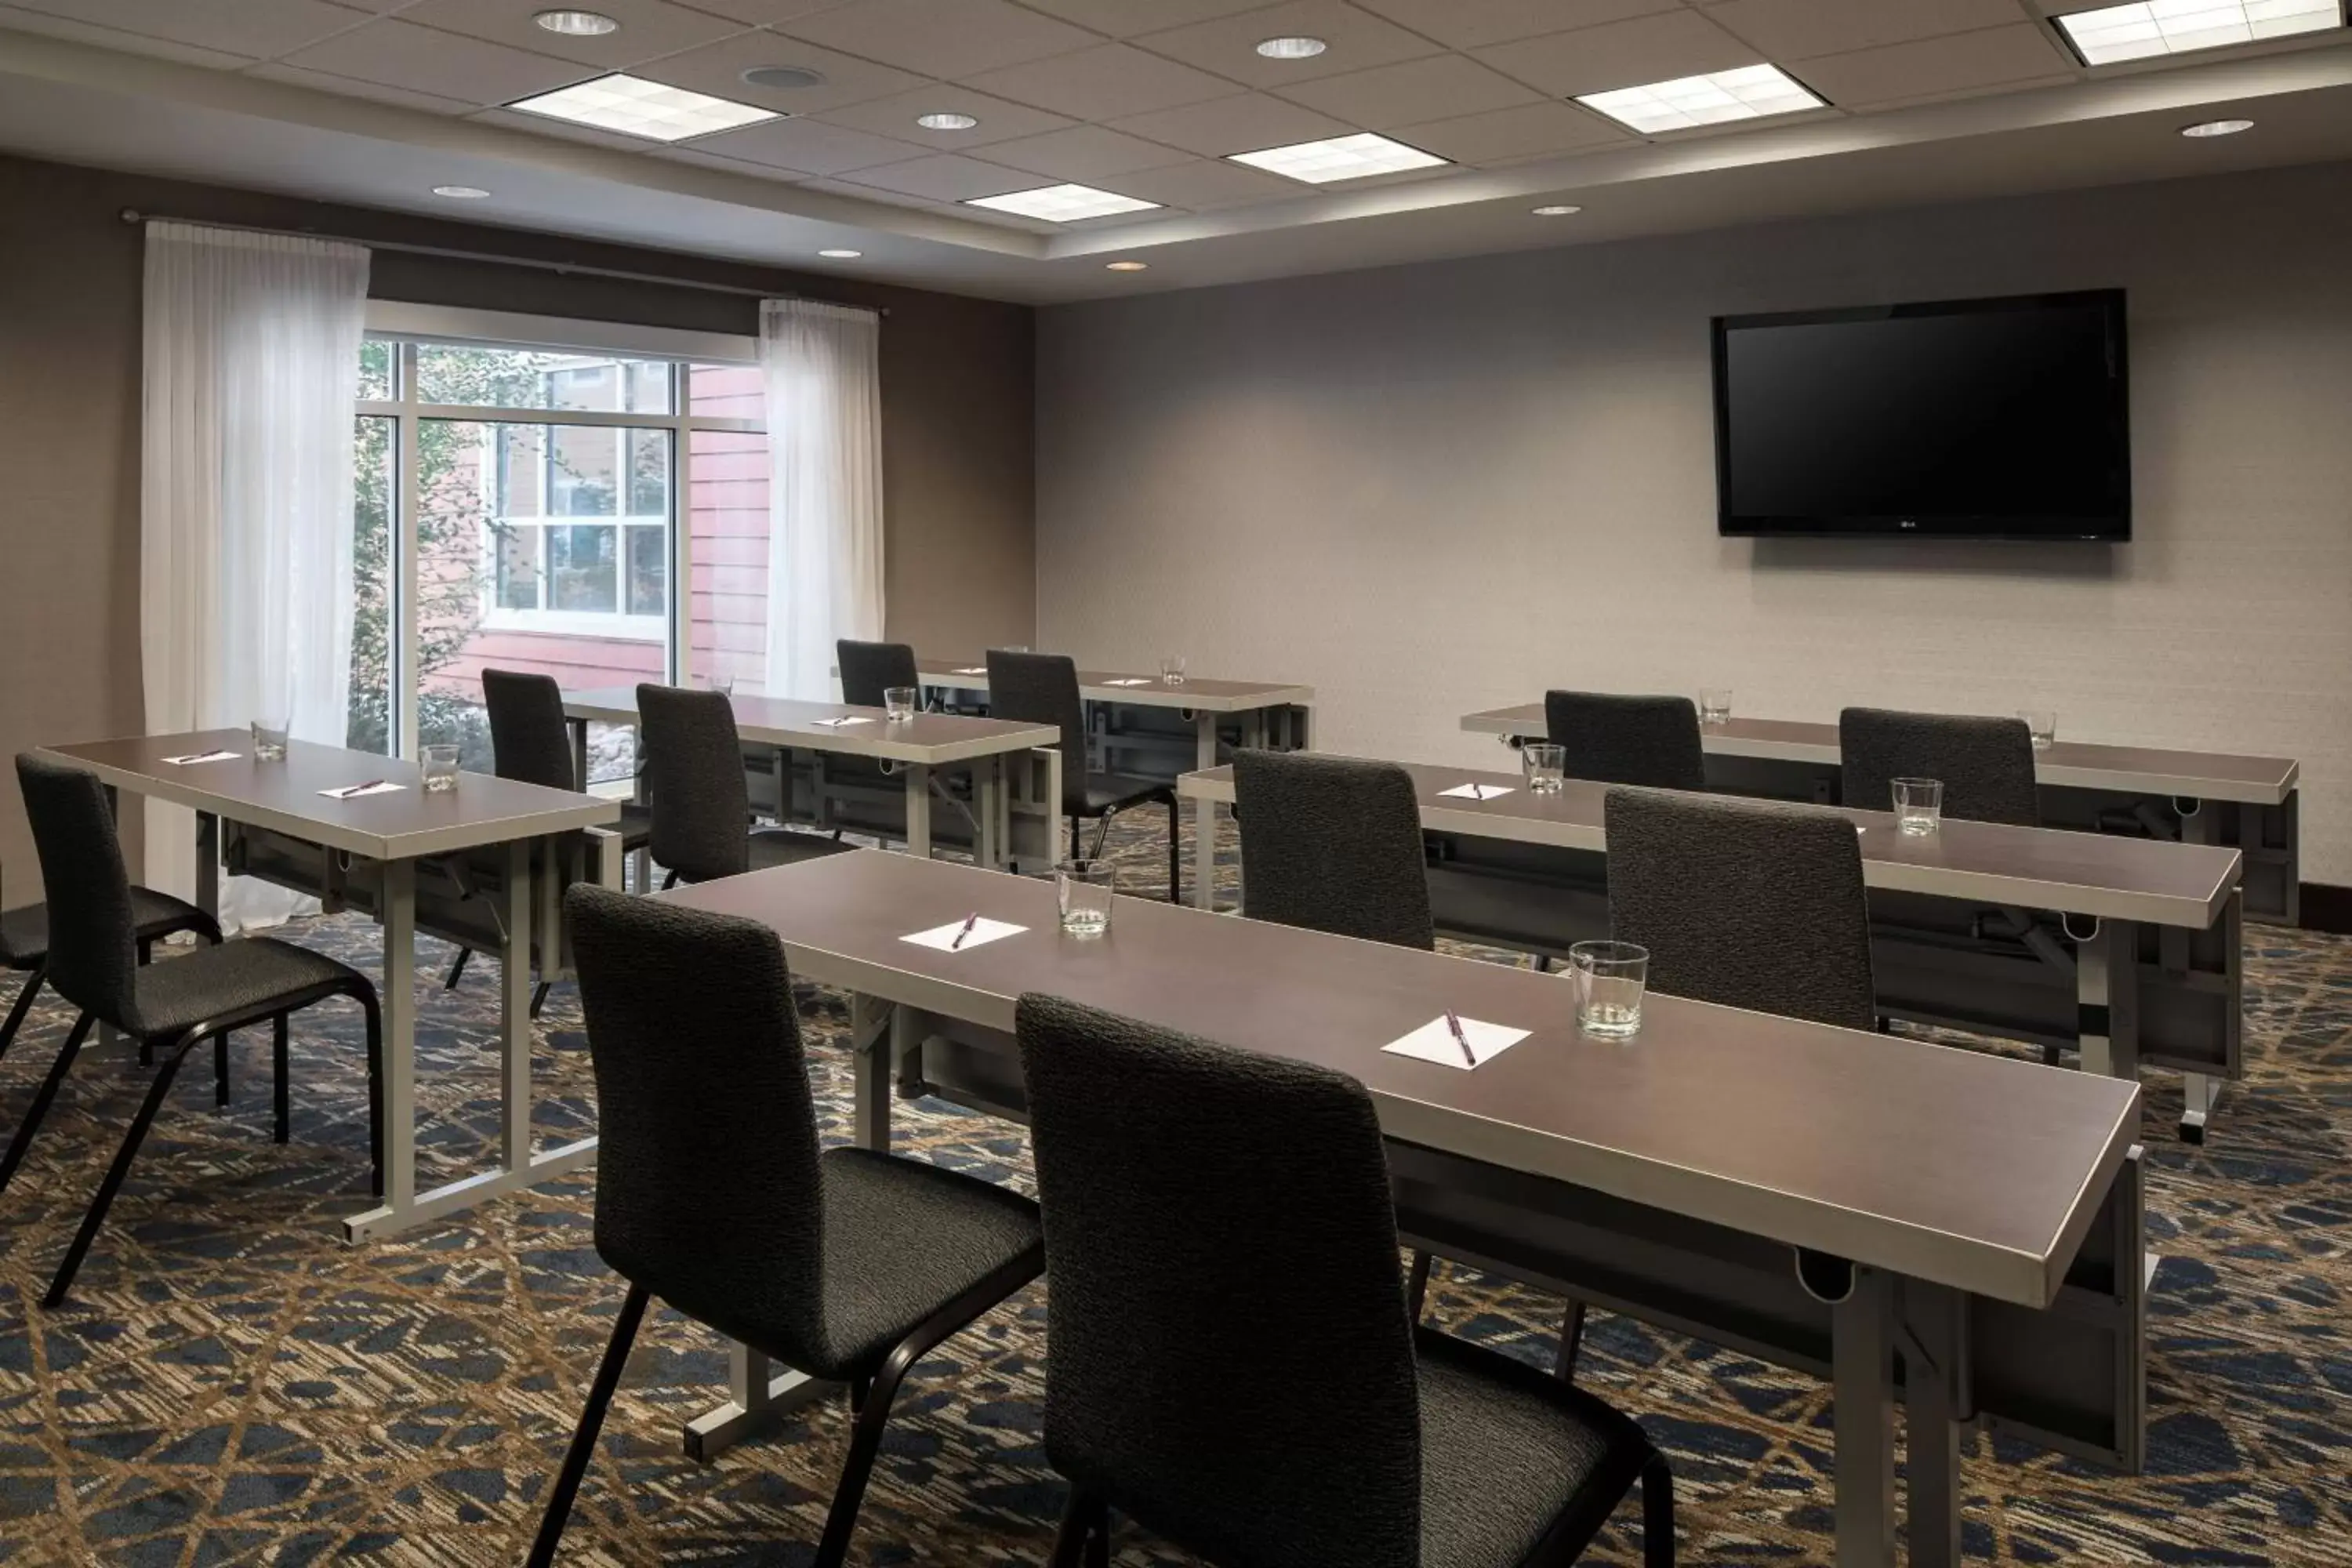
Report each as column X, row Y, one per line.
column 900, row 702
column 269, row 739
column 1085, row 889
column 1172, row 670
column 2041, row 723
column 1545, row 765
column 1715, row 705
column 440, row 768
column 1919, row 805
column 1610, row 979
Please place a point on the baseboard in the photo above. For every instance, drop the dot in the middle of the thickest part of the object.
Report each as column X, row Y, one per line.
column 2327, row 907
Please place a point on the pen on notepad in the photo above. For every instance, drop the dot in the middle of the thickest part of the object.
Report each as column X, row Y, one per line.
column 350, row 790
column 1477, row 792
column 1454, row 1022
column 970, row 921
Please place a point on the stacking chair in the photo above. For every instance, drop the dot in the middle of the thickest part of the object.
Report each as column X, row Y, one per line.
column 24, row 945
column 1043, row 689
column 1230, row 1363
column 1987, row 764
column 701, row 826
column 1334, row 845
column 871, row 669
column 530, row 742
column 850, row 1265
column 173, row 1006
column 1650, row 741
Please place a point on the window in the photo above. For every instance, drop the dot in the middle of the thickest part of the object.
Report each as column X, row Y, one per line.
column 589, row 507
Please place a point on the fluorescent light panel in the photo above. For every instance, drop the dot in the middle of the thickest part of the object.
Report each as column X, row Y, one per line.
column 1063, row 204
column 1340, row 158
column 1750, row 92
column 2151, row 28
column 636, row 107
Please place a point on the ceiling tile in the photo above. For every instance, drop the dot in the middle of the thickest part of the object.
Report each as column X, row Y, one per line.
column 947, row 177
column 1539, row 130
column 1468, row 23
column 1620, row 54
column 1085, row 154
column 887, row 199
column 349, row 87
column 1000, row 120
column 66, row 27
column 1964, row 62
column 649, row 29
column 256, row 29
column 1211, row 183
column 809, row 146
column 1227, row 126
column 1438, row 87
column 717, row 69
column 1228, row 45
column 1125, row 18
column 562, row 129
column 1793, row 29
column 692, row 153
column 1103, row 82
column 940, row 37
column 763, row 13
column 401, row 54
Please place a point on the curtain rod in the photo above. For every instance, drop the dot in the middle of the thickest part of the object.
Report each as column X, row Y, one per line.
column 446, row 253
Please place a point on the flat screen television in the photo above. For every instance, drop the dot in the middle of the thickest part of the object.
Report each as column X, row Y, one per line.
column 1961, row 420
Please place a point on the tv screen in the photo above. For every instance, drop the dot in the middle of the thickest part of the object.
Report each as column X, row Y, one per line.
column 1976, row 418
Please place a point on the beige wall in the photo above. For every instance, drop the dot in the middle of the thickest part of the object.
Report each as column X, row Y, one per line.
column 1434, row 489
column 957, row 404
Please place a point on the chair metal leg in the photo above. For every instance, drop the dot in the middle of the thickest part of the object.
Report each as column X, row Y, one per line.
column 277, row 1061
column 90, row 1222
column 1571, row 1340
column 220, row 1071
column 592, row 1422
column 1657, row 1515
column 539, row 997
column 1086, row 1531
column 1102, row 835
column 1417, row 1291
column 47, row 1092
column 372, row 1012
column 24, row 1005
column 456, row 968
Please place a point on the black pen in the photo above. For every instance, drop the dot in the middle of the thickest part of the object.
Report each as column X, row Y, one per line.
column 350, row 790
column 970, row 921
column 1454, row 1022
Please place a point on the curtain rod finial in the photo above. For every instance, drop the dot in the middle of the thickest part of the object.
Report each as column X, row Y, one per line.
column 129, row 214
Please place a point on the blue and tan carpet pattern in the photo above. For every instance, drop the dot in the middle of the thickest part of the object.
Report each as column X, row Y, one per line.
column 231, row 1384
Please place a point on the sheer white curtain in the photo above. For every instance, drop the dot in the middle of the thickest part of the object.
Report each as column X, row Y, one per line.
column 251, row 369
column 825, row 492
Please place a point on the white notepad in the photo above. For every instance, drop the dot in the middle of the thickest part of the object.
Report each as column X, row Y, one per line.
column 1434, row 1042
column 1479, row 791
column 203, row 757
column 841, row 723
column 358, row 792
column 983, row 932
column 1129, row 681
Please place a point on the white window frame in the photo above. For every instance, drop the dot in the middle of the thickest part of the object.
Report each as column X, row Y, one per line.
column 407, row 326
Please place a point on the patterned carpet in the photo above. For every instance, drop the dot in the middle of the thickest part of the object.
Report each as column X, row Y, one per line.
column 232, row 1386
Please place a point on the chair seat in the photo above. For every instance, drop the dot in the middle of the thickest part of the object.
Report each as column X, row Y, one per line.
column 776, row 846
column 241, row 978
column 902, row 1239
column 1508, row 1451
column 25, row 934
column 1107, row 793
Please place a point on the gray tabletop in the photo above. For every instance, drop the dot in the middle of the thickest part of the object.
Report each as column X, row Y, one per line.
column 2110, row 876
column 2070, row 764
column 1197, row 693
column 284, row 796
column 1969, row 1169
column 932, row 739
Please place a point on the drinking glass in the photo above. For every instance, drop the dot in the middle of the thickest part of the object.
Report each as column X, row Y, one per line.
column 1919, row 805
column 722, row 684
column 269, row 739
column 1545, row 765
column 1172, row 670
column 1085, row 889
column 899, row 702
column 1715, row 705
column 440, row 768
column 1610, row 978
column 2041, row 723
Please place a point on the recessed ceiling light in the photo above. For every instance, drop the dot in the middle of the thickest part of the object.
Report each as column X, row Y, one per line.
column 1558, row 211
column 841, row 255
column 577, row 24
column 1063, row 204
column 637, row 106
column 946, row 122
column 783, row 79
column 1750, row 93
column 1339, row 158
column 1292, row 49
column 2149, row 27
column 2217, row 128
column 1126, row 265
column 461, row 193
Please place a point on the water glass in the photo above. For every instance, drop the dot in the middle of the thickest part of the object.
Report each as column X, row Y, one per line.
column 1919, row 805
column 269, row 739
column 899, row 702
column 1172, row 670
column 1085, row 889
column 2041, row 723
column 1715, row 705
column 1545, row 765
column 723, row 684
column 440, row 769
column 1610, row 978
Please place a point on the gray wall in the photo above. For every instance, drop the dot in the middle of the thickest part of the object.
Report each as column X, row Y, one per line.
column 957, row 403
column 1433, row 489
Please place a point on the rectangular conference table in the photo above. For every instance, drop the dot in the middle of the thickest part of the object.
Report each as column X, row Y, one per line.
column 1975, row 1218
column 2163, row 794
column 2156, row 959
column 918, row 748
column 268, row 820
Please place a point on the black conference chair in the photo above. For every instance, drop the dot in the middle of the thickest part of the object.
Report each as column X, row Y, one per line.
column 1334, row 845
column 849, row 1265
column 530, row 742
column 24, row 945
column 1986, row 765
column 173, row 1006
column 701, row 828
column 867, row 670
column 1043, row 689
column 1609, row 739
column 1230, row 1363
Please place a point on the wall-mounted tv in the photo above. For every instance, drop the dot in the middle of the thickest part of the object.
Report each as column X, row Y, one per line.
column 1961, row 420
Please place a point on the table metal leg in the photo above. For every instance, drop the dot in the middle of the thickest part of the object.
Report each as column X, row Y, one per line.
column 2199, row 1092
column 988, row 790
column 1862, row 1369
column 1204, row 816
column 208, row 854
column 2107, row 981
column 1934, row 1330
column 514, row 1009
column 877, row 1041
column 918, row 809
